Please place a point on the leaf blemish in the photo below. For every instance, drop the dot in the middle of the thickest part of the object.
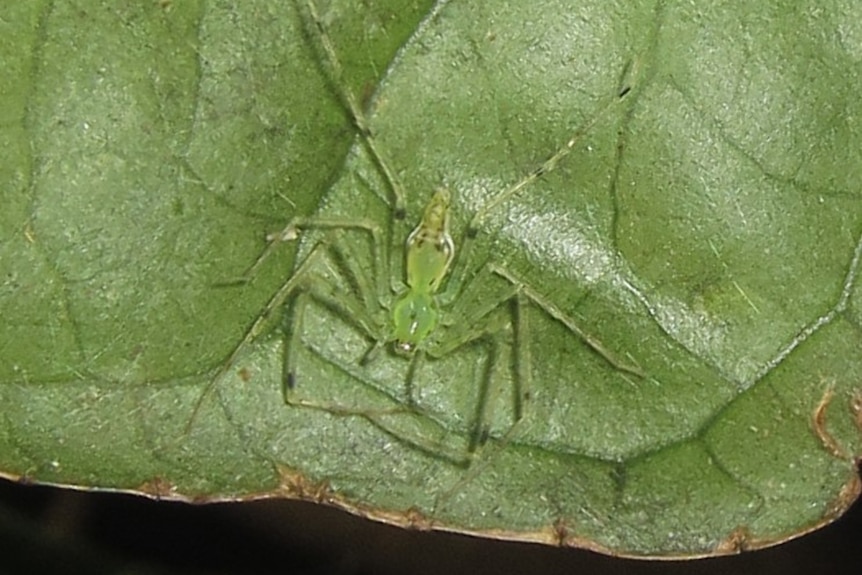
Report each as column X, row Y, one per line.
column 818, row 424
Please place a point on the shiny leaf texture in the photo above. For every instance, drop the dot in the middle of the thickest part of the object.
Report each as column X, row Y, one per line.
column 705, row 230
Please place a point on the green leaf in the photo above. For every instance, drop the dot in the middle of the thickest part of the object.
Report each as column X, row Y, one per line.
column 707, row 229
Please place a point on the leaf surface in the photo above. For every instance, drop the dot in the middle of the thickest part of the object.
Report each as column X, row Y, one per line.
column 706, row 229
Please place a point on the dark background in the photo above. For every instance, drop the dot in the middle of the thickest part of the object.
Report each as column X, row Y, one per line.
column 49, row 530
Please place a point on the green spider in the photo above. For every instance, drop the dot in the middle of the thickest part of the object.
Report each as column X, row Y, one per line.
column 418, row 316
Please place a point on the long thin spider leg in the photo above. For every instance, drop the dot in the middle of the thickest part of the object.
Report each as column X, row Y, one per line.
column 299, row 281
column 357, row 115
column 406, row 423
column 346, row 308
column 555, row 312
column 409, row 422
column 300, row 224
column 396, row 231
column 258, row 326
column 489, row 336
column 397, row 268
column 456, row 282
column 357, row 275
column 624, row 88
column 409, row 385
column 488, row 392
column 484, row 323
column 457, row 337
column 523, row 358
column 520, row 291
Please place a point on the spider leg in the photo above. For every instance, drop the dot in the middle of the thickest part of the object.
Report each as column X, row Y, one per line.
column 304, row 281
